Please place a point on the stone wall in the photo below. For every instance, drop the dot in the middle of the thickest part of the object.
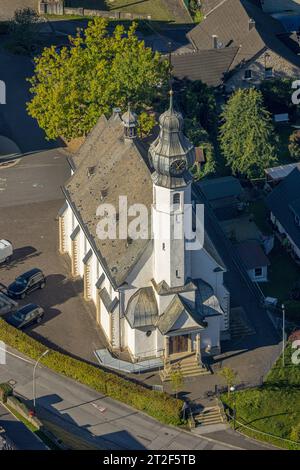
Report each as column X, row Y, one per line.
column 269, row 59
column 56, row 7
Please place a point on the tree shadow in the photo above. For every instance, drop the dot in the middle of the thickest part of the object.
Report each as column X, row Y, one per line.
column 47, row 410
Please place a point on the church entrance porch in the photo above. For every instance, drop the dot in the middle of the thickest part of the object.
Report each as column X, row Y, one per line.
column 179, row 344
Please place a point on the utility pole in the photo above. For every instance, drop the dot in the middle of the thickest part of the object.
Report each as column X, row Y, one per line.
column 283, row 335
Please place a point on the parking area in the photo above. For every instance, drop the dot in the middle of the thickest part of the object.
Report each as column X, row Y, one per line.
column 69, row 320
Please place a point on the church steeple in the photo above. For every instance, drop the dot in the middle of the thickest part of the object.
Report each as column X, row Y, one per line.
column 171, row 153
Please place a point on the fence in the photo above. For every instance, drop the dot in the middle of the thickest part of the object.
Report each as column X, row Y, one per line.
column 57, row 7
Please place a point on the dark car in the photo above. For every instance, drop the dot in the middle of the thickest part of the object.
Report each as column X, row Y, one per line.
column 25, row 316
column 26, row 283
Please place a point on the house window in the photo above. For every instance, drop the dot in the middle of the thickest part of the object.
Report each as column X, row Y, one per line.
column 258, row 272
column 248, row 74
column 268, row 72
column 163, row 246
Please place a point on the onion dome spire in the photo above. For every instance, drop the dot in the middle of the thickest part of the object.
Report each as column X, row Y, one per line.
column 171, row 154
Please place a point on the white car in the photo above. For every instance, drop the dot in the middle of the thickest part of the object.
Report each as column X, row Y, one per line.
column 6, row 251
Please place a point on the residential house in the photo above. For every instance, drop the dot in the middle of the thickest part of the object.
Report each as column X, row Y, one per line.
column 255, row 260
column 238, row 45
column 284, row 205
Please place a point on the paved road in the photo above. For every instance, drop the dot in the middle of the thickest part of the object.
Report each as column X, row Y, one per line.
column 95, row 418
column 22, row 438
column 14, row 120
column 35, row 178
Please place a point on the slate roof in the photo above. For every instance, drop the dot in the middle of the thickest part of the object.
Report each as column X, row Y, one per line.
column 209, row 66
column 230, row 23
column 281, row 198
column 219, row 188
column 117, row 168
column 142, row 308
column 206, row 300
column 177, row 306
column 252, row 254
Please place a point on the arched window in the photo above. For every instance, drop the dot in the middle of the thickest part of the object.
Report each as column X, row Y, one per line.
column 176, row 199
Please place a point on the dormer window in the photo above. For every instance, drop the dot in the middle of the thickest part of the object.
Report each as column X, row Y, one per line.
column 248, row 74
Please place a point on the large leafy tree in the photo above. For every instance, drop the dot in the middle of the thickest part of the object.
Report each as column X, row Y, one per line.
column 72, row 87
column 247, row 135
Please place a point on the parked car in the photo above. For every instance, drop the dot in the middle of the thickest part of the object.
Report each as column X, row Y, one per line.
column 26, row 283
column 6, row 251
column 26, row 316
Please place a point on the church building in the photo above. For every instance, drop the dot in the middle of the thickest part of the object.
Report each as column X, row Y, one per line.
column 155, row 297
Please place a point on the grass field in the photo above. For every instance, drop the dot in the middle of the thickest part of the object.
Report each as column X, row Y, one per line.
column 274, row 408
column 156, row 8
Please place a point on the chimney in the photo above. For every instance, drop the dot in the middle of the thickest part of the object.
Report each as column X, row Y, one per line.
column 215, row 41
column 251, row 23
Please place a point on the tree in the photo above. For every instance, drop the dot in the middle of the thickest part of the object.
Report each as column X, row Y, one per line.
column 247, row 134
column 24, row 27
column 277, row 96
column 294, row 145
column 177, row 379
column 197, row 101
column 146, row 122
column 72, row 87
column 200, row 138
column 230, row 377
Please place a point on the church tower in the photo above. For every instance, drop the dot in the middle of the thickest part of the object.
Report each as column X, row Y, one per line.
column 171, row 155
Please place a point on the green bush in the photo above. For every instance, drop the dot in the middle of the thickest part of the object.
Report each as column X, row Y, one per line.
column 5, row 391
column 159, row 405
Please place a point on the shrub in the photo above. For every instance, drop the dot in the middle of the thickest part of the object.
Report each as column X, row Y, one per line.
column 159, row 405
column 294, row 145
column 295, row 433
column 5, row 391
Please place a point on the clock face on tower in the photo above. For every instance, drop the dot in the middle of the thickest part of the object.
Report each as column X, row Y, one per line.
column 178, row 167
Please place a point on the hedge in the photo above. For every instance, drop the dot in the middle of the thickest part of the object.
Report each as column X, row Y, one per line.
column 5, row 391
column 159, row 405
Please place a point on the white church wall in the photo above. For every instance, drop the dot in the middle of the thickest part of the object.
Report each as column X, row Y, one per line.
column 130, row 337
column 145, row 346
column 210, row 336
column 105, row 321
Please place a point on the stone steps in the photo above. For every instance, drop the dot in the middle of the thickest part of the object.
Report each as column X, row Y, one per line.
column 209, row 416
column 188, row 366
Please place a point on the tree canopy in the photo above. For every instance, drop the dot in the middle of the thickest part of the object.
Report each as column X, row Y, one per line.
column 247, row 134
column 73, row 86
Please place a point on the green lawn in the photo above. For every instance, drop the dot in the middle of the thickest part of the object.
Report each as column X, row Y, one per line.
column 274, row 408
column 155, row 8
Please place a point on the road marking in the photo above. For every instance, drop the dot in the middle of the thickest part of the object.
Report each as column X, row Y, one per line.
column 19, row 357
column 100, row 408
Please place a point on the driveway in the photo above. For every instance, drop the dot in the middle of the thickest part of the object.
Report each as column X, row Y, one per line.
column 30, row 197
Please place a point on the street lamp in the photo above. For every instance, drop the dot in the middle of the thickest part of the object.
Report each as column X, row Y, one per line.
column 33, row 376
column 232, row 389
column 283, row 334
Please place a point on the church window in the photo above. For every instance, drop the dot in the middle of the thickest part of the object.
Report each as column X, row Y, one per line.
column 176, row 198
column 163, row 246
column 177, row 273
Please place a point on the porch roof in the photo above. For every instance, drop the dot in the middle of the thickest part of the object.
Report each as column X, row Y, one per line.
column 176, row 308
